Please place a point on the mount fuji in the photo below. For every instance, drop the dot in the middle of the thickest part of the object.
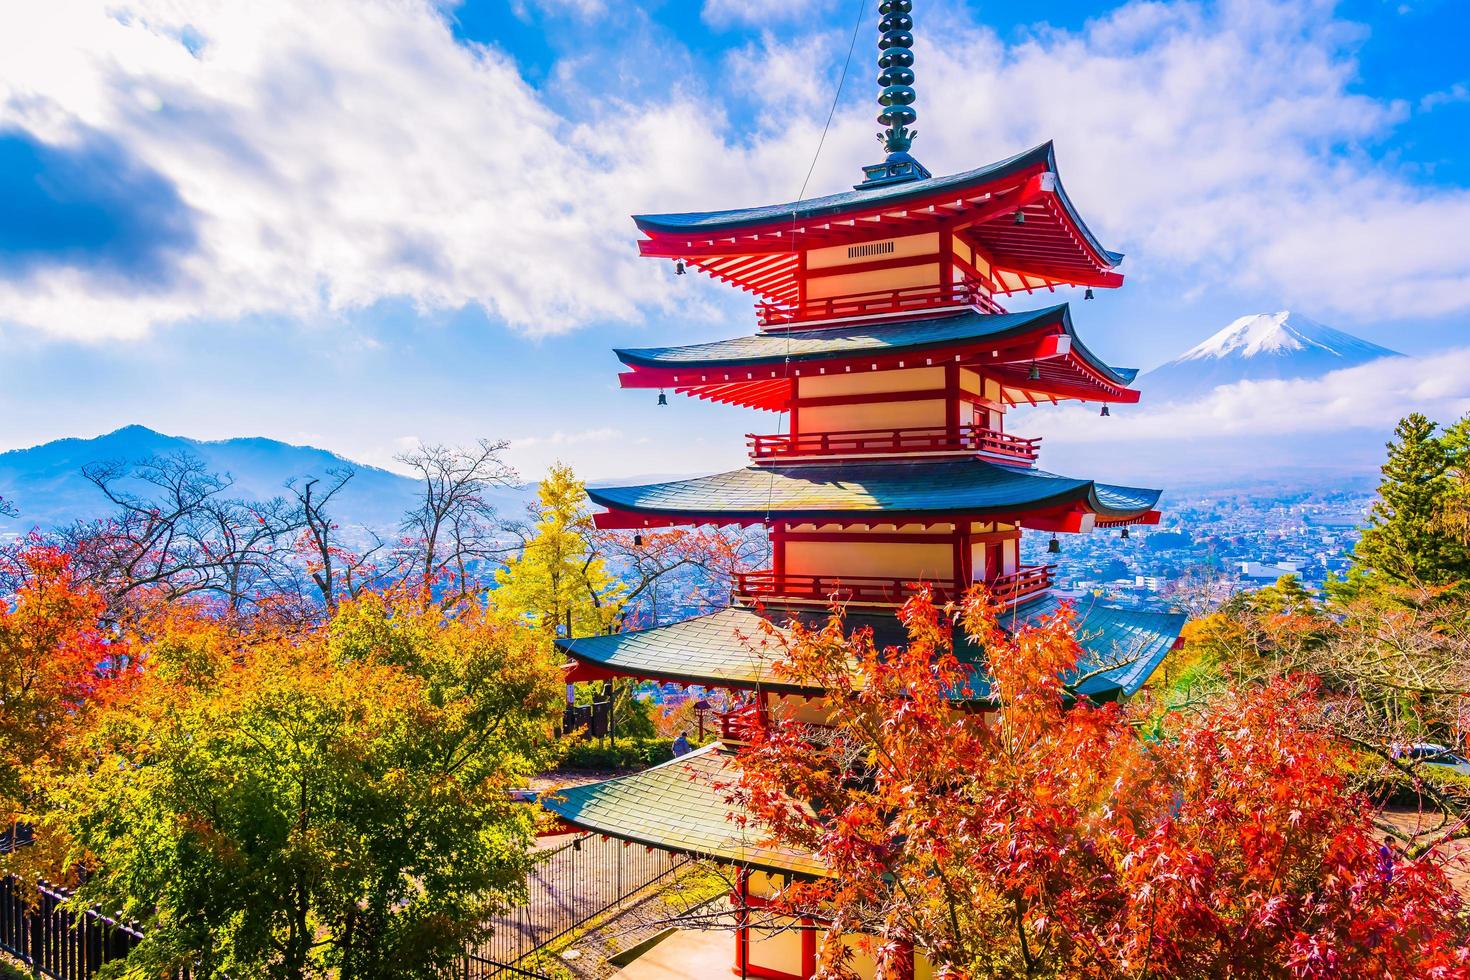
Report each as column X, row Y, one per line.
column 1261, row 347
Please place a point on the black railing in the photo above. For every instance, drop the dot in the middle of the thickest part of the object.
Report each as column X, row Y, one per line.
column 55, row 941
column 574, row 883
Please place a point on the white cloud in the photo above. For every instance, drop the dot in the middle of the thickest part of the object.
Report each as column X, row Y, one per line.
column 341, row 152
column 1220, row 142
column 1458, row 92
column 581, row 8
column 560, row 438
column 1367, row 397
column 758, row 13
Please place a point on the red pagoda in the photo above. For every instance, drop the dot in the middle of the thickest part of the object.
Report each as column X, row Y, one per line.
column 883, row 340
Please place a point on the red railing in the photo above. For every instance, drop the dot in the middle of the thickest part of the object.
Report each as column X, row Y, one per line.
column 765, row 583
column 862, row 442
column 848, row 588
column 1026, row 581
column 911, row 299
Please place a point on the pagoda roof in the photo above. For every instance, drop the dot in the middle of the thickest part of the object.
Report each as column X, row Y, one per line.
column 680, row 806
column 1054, row 245
column 737, row 648
column 809, row 492
column 860, row 199
column 729, row 370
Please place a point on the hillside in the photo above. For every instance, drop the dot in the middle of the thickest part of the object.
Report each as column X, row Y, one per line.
column 45, row 482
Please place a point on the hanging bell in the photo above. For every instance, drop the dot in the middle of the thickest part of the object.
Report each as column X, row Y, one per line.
column 637, row 540
column 678, row 267
column 1054, row 547
column 1020, row 218
column 1087, row 294
column 1105, row 413
column 663, row 399
column 1035, row 373
column 1124, row 535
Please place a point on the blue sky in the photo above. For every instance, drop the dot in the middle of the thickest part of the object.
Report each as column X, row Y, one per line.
column 360, row 225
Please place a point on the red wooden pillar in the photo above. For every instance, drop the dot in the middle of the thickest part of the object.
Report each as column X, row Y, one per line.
column 742, row 923
column 952, row 402
column 946, row 261
column 801, row 282
column 778, row 553
column 963, row 559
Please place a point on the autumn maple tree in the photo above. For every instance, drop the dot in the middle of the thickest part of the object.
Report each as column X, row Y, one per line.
column 56, row 662
column 988, row 818
column 297, row 802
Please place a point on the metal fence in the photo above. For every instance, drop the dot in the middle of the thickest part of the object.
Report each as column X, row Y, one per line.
column 55, row 941
column 574, row 883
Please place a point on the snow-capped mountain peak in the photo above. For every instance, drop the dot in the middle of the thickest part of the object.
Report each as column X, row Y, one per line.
column 1260, row 347
column 1282, row 333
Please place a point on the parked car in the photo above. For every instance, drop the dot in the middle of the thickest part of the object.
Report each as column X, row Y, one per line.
column 1434, row 754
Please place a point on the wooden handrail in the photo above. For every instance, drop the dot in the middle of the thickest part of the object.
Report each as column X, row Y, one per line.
column 1007, row 589
column 855, row 442
column 876, row 302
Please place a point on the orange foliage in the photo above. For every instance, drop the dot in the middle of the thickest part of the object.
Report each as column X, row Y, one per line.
column 1044, row 836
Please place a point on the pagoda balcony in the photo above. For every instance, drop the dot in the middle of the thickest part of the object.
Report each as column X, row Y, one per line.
column 874, row 442
column 1023, row 583
column 918, row 300
column 867, row 590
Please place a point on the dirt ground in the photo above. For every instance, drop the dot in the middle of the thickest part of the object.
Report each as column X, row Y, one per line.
column 1426, row 827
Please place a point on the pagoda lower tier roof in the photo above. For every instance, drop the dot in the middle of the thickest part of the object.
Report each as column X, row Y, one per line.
column 808, row 492
column 739, row 647
column 969, row 335
column 680, row 806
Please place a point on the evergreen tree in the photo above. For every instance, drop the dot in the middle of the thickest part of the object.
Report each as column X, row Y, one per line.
column 1456, row 441
column 1408, row 540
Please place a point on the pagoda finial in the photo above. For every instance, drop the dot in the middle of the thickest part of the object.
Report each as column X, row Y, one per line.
column 896, row 96
column 896, row 59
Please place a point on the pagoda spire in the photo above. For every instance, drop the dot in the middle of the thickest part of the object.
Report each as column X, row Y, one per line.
column 896, row 97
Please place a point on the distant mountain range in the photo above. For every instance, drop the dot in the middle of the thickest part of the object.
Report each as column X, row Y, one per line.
column 1260, row 347
column 45, row 482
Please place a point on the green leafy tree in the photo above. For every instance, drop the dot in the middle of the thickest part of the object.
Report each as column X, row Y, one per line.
column 1408, row 540
column 328, row 804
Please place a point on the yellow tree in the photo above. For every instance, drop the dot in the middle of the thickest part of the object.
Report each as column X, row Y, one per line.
column 559, row 581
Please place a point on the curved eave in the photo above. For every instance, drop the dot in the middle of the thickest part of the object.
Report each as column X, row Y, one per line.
column 725, row 649
column 820, row 345
column 756, row 370
column 740, row 222
column 679, row 806
column 1121, row 647
column 811, row 493
column 1136, row 640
